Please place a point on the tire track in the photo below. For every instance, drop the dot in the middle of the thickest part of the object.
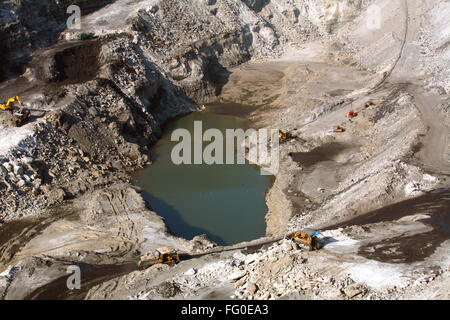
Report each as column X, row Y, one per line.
column 125, row 224
column 19, row 240
column 400, row 55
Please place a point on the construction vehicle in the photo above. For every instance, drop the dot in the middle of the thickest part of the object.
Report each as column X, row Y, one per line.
column 160, row 256
column 352, row 114
column 310, row 239
column 19, row 115
column 338, row 129
column 284, row 136
column 9, row 104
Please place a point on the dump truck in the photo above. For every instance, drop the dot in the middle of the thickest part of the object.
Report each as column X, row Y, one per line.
column 306, row 238
column 160, row 256
column 352, row 114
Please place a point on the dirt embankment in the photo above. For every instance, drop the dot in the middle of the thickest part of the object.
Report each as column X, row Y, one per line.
column 29, row 25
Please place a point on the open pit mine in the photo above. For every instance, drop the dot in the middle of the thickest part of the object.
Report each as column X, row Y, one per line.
column 225, row 149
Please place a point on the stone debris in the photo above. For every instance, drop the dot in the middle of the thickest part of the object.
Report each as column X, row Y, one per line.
column 237, row 275
column 105, row 100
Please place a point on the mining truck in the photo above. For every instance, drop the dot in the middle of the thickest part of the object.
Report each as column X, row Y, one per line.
column 306, row 238
column 160, row 256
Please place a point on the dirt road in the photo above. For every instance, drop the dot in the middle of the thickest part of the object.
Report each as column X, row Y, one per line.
column 434, row 153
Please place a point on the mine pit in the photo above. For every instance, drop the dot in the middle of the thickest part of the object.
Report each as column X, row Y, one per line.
column 205, row 199
column 77, row 64
column 357, row 208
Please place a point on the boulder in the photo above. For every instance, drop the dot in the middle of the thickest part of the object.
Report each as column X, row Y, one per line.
column 190, row 272
column 251, row 288
column 21, row 183
column 168, row 289
column 202, row 242
column 250, row 258
column 237, row 275
column 18, row 170
column 353, row 291
column 57, row 194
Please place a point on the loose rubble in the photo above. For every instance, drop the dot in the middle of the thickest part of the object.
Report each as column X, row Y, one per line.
column 99, row 105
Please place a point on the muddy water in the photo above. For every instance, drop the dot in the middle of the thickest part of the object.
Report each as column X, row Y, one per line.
column 226, row 202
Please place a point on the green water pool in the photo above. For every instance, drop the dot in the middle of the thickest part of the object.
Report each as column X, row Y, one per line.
column 226, row 202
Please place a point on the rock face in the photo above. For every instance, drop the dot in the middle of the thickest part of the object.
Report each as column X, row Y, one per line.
column 237, row 275
column 202, row 242
column 198, row 37
column 167, row 290
column 28, row 25
column 107, row 98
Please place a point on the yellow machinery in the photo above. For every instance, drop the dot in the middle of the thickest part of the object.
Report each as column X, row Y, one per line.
column 338, row 129
column 306, row 238
column 20, row 115
column 284, row 135
column 161, row 256
column 9, row 104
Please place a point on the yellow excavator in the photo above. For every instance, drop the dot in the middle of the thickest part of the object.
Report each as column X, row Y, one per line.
column 161, row 256
column 20, row 115
column 9, row 104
